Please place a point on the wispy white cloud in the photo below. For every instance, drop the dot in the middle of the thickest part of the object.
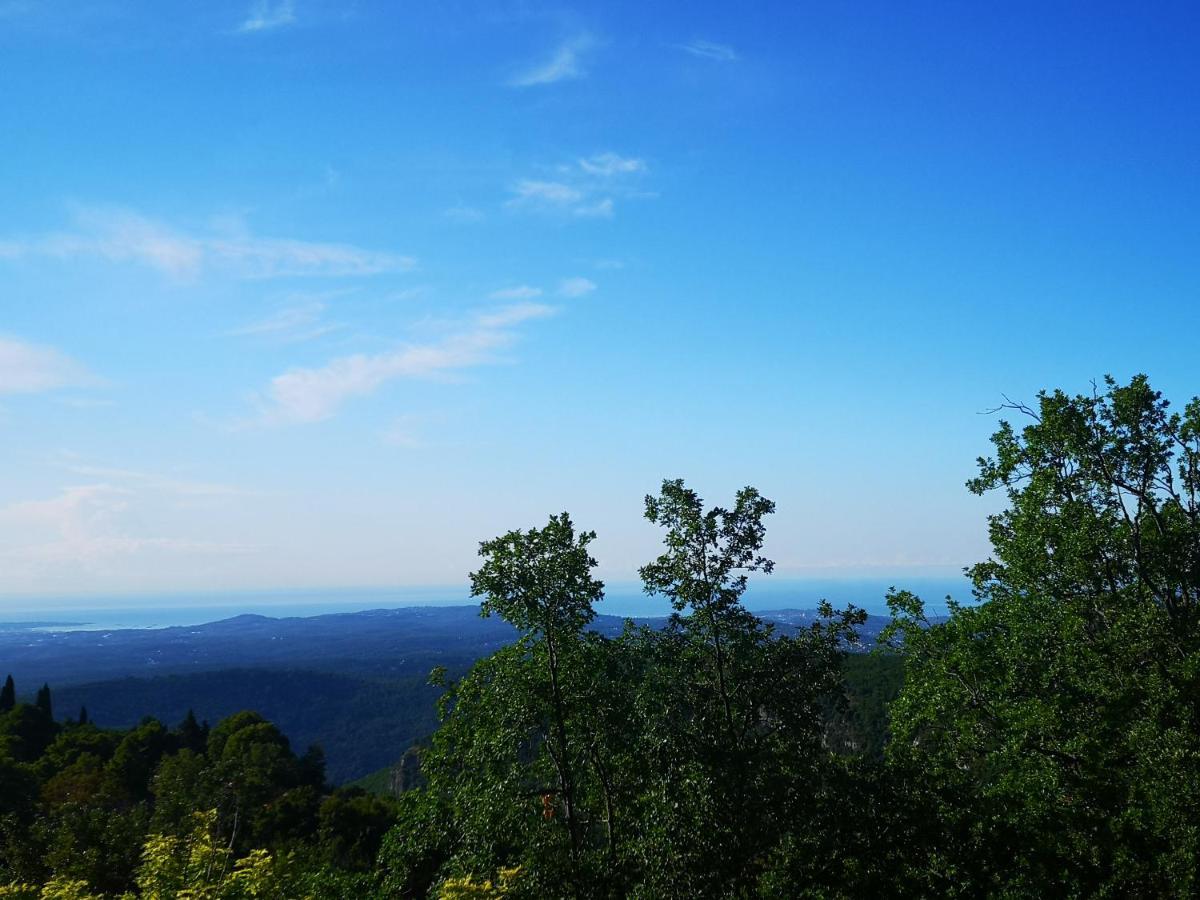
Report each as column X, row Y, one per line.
column 304, row 395
column 553, row 193
column 565, row 63
column 265, row 15
column 515, row 314
column 129, row 479
column 401, row 433
column 520, row 292
column 411, row 293
column 463, row 215
column 606, row 165
column 271, row 258
column 710, row 50
column 575, row 287
column 120, row 235
column 584, row 188
column 30, row 369
column 292, row 324
column 86, row 527
column 601, row 209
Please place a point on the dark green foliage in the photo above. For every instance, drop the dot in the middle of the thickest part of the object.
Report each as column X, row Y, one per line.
column 1054, row 726
column 362, row 724
column 540, row 582
column 8, row 695
column 183, row 783
column 872, row 681
column 25, row 732
column 658, row 763
column 192, row 735
column 735, row 712
column 351, row 825
column 77, row 801
column 43, row 701
column 137, row 756
column 1043, row 740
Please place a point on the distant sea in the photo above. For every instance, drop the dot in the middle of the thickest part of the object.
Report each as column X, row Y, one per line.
column 110, row 613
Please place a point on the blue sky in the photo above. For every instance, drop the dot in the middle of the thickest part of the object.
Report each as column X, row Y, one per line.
column 307, row 294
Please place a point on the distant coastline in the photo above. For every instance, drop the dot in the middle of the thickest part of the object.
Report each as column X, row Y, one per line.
column 163, row 611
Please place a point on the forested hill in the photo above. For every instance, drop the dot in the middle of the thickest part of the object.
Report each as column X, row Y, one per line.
column 389, row 643
column 354, row 683
column 361, row 724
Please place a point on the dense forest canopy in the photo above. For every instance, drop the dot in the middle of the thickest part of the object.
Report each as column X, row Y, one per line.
column 1044, row 739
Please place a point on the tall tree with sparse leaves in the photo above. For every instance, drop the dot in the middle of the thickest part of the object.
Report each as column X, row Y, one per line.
column 512, row 772
column 540, row 581
column 734, row 714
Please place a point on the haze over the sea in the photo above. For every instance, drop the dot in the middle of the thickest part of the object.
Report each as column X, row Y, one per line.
column 162, row 610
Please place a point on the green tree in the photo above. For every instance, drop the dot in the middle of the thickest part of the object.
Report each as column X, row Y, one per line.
column 201, row 865
column 1054, row 725
column 183, row 783
column 73, row 743
column 93, row 842
column 254, row 767
column 704, row 570
column 351, row 827
column 191, row 734
column 138, row 755
column 25, row 732
column 18, row 813
column 511, row 772
column 8, row 695
column 731, row 713
column 540, row 582
column 43, row 701
column 663, row 763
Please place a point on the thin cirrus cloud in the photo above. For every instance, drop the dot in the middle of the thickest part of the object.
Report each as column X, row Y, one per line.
column 709, row 50
column 463, row 215
column 290, row 325
column 307, row 395
column 553, row 193
column 33, row 369
column 575, row 287
column 519, row 292
column 402, row 434
column 133, row 479
column 123, row 236
column 583, row 189
column 566, row 62
column 606, row 165
column 265, row 16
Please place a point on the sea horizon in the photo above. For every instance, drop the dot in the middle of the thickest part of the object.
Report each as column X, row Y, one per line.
column 172, row 609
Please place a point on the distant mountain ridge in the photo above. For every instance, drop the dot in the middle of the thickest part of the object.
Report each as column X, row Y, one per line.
column 353, row 682
column 381, row 642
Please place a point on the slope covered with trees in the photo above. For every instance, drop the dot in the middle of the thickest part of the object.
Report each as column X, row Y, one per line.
column 80, row 804
column 361, row 724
